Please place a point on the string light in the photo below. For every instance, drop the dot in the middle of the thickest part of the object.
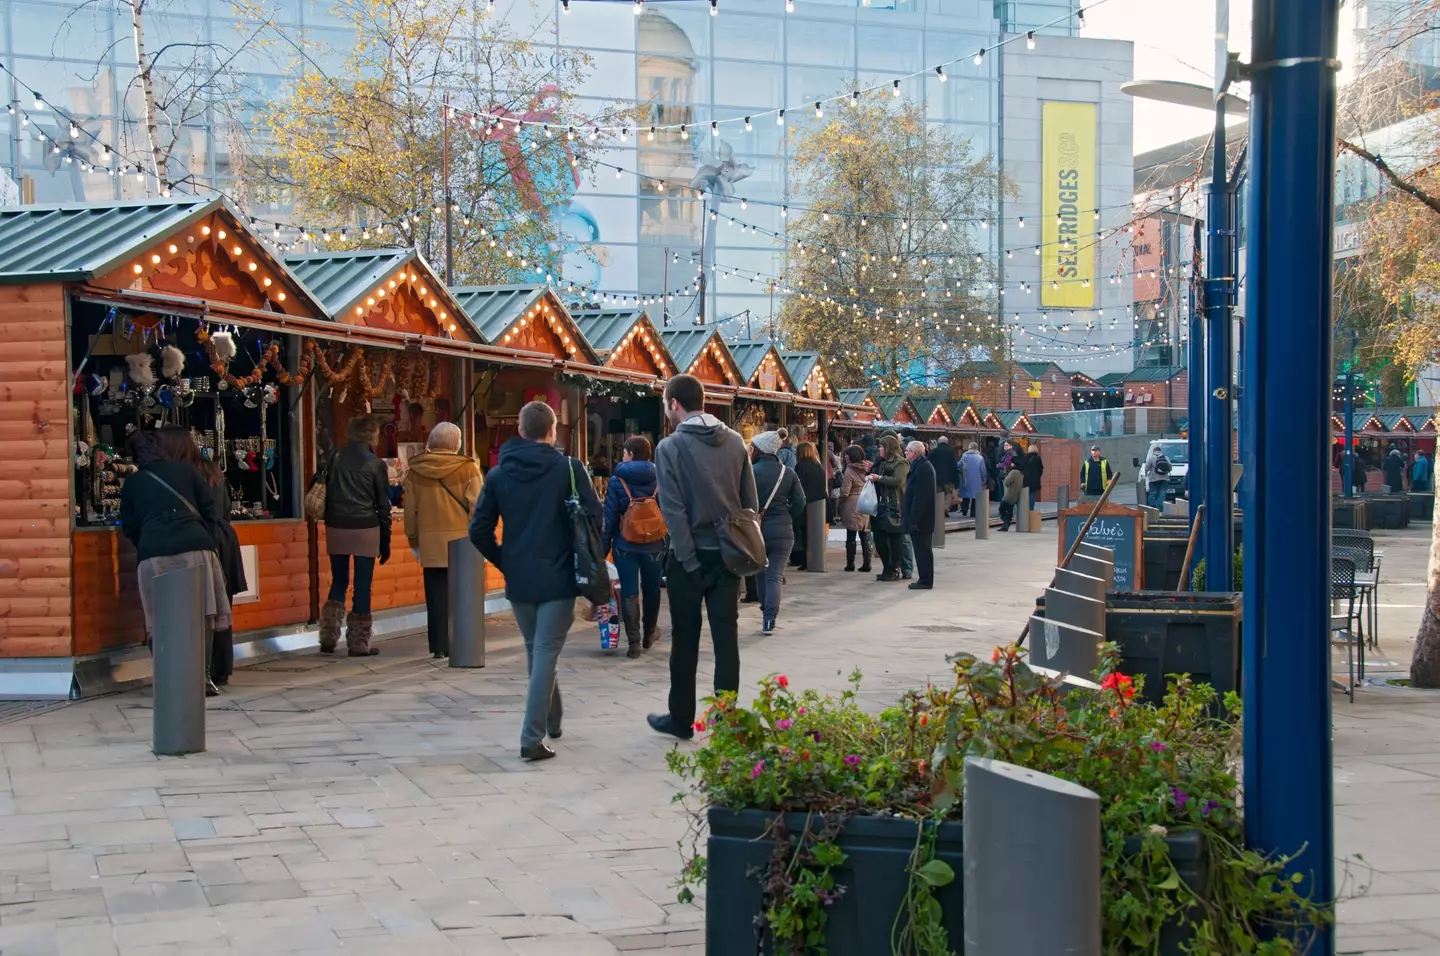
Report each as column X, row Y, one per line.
column 780, row 118
column 714, row 129
column 1030, row 40
column 940, row 72
column 895, row 89
column 748, row 127
column 819, row 113
column 639, row 6
column 714, row 8
column 979, row 56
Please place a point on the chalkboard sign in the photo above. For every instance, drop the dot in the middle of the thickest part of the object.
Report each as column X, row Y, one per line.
column 1116, row 527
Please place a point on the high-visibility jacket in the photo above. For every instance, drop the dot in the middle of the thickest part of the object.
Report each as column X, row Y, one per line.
column 1087, row 467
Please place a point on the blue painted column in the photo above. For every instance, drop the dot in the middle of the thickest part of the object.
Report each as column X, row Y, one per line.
column 1347, row 456
column 1217, row 529
column 1195, row 364
column 1286, row 493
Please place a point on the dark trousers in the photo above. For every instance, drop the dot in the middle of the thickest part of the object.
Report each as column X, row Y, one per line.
column 1007, row 515
column 967, row 506
column 850, row 536
column 340, row 581
column 890, row 547
column 222, row 654
column 437, row 609
column 924, row 557
column 719, row 591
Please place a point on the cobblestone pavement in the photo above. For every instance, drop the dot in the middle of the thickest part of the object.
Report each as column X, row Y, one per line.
column 379, row 806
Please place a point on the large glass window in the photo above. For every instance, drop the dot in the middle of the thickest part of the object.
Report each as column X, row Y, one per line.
column 887, row 48
column 749, row 38
column 822, row 44
column 757, row 85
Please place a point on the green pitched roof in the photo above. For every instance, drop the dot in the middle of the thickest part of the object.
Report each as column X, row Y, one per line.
column 799, row 365
column 1112, row 379
column 981, row 368
column 925, row 405
column 1038, row 369
column 749, row 356
column 1391, row 419
column 686, row 345
column 957, row 409
column 1008, row 417
column 494, row 310
column 71, row 242
column 890, row 403
column 853, row 396
column 604, row 328
column 342, row 280
column 1153, row 373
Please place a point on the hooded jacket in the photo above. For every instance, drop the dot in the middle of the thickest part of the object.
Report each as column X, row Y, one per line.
column 527, row 489
column 440, row 492
column 639, row 477
column 1014, row 484
column 704, row 474
column 851, row 485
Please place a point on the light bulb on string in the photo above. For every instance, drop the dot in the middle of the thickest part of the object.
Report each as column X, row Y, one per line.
column 639, row 6
column 789, row 6
column 714, row 8
column 1080, row 16
column 1030, row 40
column 780, row 118
column 39, row 103
column 748, row 127
column 652, row 133
column 565, row 6
column 684, row 133
column 979, row 57
column 940, row 72
column 819, row 113
column 714, row 128
column 1022, row 222
column 895, row 88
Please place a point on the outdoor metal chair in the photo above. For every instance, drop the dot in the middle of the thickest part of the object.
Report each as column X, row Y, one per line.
column 1367, row 580
column 1344, row 591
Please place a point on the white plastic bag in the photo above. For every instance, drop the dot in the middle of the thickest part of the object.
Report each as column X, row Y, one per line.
column 869, row 501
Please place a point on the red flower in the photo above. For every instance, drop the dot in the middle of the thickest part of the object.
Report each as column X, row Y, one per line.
column 1120, row 683
column 700, row 725
column 995, row 656
column 804, row 755
column 924, row 719
column 783, row 681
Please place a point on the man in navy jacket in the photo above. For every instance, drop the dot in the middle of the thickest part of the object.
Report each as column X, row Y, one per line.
column 917, row 514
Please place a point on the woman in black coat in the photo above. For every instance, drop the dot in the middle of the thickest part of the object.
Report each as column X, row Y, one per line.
column 812, row 481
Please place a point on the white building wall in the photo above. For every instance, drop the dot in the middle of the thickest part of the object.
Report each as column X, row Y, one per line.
column 1083, row 70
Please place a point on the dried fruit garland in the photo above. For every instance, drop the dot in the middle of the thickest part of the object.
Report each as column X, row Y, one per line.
column 418, row 375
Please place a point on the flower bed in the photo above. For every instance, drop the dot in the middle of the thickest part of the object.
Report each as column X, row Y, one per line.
column 813, row 764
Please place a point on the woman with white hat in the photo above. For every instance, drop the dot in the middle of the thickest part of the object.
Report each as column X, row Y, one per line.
column 782, row 502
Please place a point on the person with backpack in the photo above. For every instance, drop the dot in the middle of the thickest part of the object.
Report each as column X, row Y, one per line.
column 706, row 483
column 1155, row 471
column 527, row 490
column 635, row 539
column 782, row 504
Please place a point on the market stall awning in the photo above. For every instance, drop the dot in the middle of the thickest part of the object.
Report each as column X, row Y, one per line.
column 626, row 338
column 191, row 247
column 761, row 367
column 1015, row 422
column 384, row 288
column 895, row 407
column 701, row 352
column 807, row 371
column 932, row 410
column 527, row 317
column 1396, row 422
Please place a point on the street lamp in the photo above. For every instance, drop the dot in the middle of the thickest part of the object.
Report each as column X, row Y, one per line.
column 1210, row 393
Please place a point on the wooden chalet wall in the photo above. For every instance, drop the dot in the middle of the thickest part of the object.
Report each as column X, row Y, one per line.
column 35, row 466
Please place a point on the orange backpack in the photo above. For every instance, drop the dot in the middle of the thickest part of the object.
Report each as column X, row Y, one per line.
column 642, row 523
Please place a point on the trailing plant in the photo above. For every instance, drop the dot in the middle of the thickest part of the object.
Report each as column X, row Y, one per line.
column 1197, row 577
column 1158, row 771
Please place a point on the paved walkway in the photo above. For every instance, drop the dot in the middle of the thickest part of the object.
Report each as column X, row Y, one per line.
column 379, row 807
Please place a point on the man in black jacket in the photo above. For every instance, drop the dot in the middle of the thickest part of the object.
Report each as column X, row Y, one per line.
column 947, row 468
column 527, row 491
column 1032, row 466
column 917, row 511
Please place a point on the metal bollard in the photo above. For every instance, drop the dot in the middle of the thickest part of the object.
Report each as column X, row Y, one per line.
column 937, row 537
column 817, row 536
column 1032, row 849
column 467, row 605
column 179, row 645
column 982, row 513
column 1022, row 512
column 1062, row 498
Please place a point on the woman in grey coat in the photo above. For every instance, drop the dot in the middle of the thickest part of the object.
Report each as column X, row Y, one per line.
column 782, row 503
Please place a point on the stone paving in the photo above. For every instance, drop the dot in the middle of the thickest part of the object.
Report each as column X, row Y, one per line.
column 378, row 806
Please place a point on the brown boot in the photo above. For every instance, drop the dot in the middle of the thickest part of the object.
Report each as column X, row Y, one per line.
column 359, row 628
column 332, row 615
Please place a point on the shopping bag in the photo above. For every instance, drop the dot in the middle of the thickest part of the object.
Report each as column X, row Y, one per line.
column 869, row 501
column 607, row 616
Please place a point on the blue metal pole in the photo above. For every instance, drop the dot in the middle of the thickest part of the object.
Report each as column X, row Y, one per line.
column 1218, row 529
column 1195, row 365
column 1348, row 455
column 1289, row 805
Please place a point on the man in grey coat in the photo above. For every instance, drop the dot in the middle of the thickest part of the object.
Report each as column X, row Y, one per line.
column 703, row 475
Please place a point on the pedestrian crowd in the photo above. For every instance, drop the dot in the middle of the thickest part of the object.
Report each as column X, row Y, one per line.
column 701, row 514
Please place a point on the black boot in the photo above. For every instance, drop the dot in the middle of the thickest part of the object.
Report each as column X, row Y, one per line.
column 649, row 620
column 865, row 549
column 850, row 552
column 630, row 617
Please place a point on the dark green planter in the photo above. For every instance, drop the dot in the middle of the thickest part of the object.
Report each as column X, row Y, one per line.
column 1422, row 506
column 1160, row 633
column 875, row 875
column 1351, row 513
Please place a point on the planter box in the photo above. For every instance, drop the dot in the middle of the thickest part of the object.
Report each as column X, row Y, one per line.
column 1351, row 513
column 1186, row 632
column 1422, row 506
column 875, row 875
column 1164, row 554
column 1388, row 511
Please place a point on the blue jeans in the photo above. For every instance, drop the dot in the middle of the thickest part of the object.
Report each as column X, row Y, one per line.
column 340, row 581
column 777, row 553
column 1155, row 495
column 907, row 557
column 544, row 625
column 639, row 573
column 1034, row 493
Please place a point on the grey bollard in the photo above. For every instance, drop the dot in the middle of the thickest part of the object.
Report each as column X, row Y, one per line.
column 937, row 537
column 1031, row 880
column 1104, row 570
column 178, row 645
column 1064, row 647
column 817, row 536
column 1098, row 552
column 1075, row 582
column 1062, row 498
column 982, row 513
column 1077, row 610
column 467, row 605
column 1022, row 512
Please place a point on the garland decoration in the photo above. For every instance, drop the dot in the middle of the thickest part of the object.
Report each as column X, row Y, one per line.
column 621, row 391
column 269, row 358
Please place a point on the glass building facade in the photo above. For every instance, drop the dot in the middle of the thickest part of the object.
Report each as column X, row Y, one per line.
column 675, row 62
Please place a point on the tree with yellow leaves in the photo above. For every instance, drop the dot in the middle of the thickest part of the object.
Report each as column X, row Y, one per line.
column 362, row 153
column 883, row 276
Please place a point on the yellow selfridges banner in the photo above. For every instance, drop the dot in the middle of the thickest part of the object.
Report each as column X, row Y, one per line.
column 1068, row 190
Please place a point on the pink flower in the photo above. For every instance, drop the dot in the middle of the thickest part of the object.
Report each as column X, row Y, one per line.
column 784, row 724
column 759, row 769
column 801, row 711
column 1158, row 747
column 852, row 761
